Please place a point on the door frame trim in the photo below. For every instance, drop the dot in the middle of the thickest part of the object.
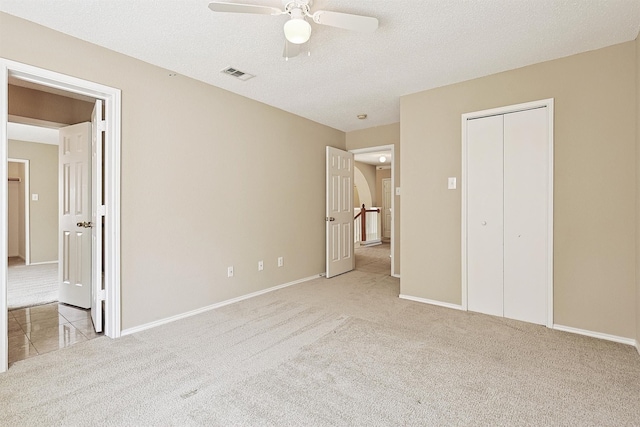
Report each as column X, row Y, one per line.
column 390, row 147
column 548, row 103
column 392, row 196
column 112, row 101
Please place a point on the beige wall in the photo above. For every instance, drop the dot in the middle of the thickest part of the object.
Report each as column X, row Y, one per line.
column 14, row 210
column 594, row 189
column 13, row 214
column 34, row 104
column 209, row 179
column 375, row 137
column 638, row 193
column 43, row 181
column 369, row 173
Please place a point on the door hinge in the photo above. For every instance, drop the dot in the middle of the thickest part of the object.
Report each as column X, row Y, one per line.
column 102, row 210
column 102, row 295
column 102, row 125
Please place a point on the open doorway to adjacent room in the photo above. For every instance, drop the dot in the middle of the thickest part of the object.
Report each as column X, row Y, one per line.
column 373, row 209
column 74, row 172
column 39, row 321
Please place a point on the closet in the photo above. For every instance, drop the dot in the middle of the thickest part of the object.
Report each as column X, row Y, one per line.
column 508, row 185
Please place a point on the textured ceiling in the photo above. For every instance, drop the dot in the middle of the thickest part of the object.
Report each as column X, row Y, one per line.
column 420, row 44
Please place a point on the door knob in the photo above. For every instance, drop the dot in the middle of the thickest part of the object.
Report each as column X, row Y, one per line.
column 85, row 224
column 330, row 218
column 484, row 223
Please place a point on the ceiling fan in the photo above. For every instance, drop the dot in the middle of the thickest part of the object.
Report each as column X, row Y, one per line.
column 297, row 30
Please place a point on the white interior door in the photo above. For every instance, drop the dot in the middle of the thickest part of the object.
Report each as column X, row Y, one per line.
column 339, row 212
column 97, row 213
column 525, row 215
column 386, row 208
column 74, row 246
column 484, row 215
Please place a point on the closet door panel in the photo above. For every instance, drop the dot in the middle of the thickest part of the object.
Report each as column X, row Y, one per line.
column 525, row 215
column 484, row 215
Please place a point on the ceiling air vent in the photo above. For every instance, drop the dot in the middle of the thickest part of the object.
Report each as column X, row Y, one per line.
column 237, row 74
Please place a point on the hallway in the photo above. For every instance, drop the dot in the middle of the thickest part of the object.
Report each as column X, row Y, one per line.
column 374, row 259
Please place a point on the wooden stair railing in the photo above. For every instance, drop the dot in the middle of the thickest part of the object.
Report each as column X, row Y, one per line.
column 363, row 221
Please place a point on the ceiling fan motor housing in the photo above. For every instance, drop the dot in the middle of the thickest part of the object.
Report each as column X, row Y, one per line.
column 295, row 7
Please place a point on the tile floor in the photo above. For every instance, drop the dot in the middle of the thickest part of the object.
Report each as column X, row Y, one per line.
column 44, row 328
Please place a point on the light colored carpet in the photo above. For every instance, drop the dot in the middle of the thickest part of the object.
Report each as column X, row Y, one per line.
column 337, row 352
column 31, row 285
column 374, row 259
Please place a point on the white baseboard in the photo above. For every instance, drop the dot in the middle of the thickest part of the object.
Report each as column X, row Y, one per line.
column 600, row 335
column 432, row 302
column 44, row 262
column 166, row 320
column 397, row 276
column 638, row 346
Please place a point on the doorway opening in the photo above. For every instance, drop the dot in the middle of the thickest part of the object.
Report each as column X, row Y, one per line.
column 40, row 319
column 108, row 209
column 374, row 237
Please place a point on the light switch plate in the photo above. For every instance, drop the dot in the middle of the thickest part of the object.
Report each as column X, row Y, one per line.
column 397, row 191
column 451, row 184
column 34, row 197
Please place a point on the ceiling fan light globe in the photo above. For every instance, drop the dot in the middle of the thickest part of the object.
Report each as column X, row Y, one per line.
column 297, row 30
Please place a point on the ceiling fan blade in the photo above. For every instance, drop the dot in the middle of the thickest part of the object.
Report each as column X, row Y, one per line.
column 346, row 21
column 221, row 6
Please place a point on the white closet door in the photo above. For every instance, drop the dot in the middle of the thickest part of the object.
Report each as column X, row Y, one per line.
column 484, row 215
column 525, row 215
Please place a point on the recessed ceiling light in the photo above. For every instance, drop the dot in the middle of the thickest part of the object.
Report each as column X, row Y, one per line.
column 383, row 159
column 362, row 116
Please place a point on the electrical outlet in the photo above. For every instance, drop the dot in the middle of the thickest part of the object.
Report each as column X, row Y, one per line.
column 230, row 271
column 260, row 265
column 280, row 261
